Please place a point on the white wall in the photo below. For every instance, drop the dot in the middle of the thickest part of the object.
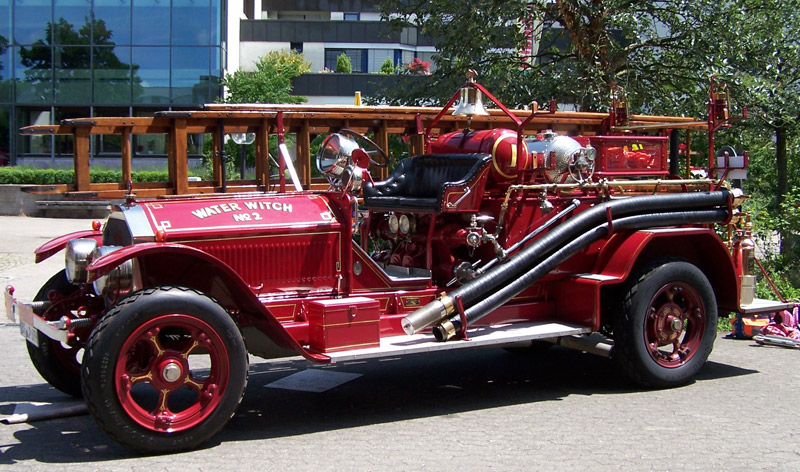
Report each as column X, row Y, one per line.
column 330, row 100
column 235, row 14
column 370, row 16
column 251, row 51
column 315, row 54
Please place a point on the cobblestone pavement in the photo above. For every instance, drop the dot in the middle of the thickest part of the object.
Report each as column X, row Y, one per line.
column 484, row 409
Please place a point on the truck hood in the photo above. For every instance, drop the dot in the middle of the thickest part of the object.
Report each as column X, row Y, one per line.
column 217, row 216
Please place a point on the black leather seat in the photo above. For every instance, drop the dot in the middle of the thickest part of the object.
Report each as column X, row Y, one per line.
column 418, row 182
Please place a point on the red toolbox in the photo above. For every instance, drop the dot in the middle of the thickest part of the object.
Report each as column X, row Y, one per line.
column 344, row 323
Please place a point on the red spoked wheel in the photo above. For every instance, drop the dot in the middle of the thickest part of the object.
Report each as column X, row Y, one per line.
column 164, row 370
column 156, row 383
column 674, row 325
column 666, row 325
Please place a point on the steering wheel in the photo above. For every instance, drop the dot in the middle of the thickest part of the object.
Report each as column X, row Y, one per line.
column 373, row 150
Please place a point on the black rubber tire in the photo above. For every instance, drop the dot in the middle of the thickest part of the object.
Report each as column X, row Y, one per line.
column 50, row 358
column 104, row 350
column 631, row 349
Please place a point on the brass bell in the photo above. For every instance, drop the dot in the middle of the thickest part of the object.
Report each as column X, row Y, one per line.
column 471, row 102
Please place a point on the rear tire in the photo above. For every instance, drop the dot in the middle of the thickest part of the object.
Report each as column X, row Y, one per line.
column 141, row 376
column 666, row 325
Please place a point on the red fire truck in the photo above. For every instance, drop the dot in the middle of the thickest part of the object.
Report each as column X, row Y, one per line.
column 493, row 237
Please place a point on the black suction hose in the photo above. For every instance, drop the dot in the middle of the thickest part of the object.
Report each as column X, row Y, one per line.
column 527, row 257
column 631, row 223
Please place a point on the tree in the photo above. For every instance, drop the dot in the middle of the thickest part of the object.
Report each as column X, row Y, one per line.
column 271, row 82
column 3, row 48
column 762, row 62
column 581, row 50
column 5, row 84
column 387, row 67
column 343, row 64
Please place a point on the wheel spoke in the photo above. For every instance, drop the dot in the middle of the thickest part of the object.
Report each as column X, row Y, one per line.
column 152, row 337
column 192, row 383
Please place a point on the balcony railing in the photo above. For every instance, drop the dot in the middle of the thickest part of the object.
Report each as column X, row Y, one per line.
column 345, row 85
column 298, row 31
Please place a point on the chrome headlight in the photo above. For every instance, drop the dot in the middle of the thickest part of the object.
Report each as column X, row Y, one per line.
column 120, row 281
column 78, row 256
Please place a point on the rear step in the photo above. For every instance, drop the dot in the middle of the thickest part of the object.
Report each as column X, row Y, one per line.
column 761, row 305
column 485, row 336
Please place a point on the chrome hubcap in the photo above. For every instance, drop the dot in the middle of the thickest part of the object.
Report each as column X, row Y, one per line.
column 171, row 372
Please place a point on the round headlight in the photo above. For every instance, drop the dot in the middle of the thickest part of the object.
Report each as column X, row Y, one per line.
column 118, row 282
column 78, row 255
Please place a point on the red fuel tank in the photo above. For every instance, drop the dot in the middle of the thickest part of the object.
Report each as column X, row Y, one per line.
column 500, row 143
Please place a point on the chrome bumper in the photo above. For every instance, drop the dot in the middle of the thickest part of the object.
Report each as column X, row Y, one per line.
column 30, row 323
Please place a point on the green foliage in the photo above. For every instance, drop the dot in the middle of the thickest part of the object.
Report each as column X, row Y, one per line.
column 271, row 82
column 661, row 53
column 387, row 67
column 343, row 64
column 31, row 176
column 777, row 234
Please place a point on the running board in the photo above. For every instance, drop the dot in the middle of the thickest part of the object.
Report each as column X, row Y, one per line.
column 477, row 337
column 761, row 305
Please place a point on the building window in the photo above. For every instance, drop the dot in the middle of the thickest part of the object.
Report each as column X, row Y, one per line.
column 358, row 58
column 296, row 47
column 352, row 16
column 150, row 23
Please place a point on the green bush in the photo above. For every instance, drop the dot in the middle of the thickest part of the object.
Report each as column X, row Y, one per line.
column 343, row 64
column 31, row 176
column 271, row 82
column 387, row 67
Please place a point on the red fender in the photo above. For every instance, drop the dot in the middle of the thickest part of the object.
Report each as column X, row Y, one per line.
column 238, row 288
column 54, row 245
column 700, row 246
column 624, row 253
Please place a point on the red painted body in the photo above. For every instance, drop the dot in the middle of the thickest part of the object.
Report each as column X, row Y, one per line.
column 278, row 261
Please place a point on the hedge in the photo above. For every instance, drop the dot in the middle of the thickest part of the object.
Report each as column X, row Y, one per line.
column 30, row 176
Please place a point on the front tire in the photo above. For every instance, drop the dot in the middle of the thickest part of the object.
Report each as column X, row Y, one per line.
column 164, row 370
column 666, row 326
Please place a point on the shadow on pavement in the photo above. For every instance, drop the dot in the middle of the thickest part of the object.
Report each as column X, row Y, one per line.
column 389, row 390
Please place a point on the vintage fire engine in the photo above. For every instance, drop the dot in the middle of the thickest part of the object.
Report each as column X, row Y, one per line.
column 491, row 237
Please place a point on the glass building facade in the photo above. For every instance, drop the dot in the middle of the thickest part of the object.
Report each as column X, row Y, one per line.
column 77, row 58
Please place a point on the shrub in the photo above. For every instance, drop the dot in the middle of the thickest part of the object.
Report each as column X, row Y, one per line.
column 343, row 64
column 387, row 67
column 271, row 82
column 419, row 67
column 31, row 176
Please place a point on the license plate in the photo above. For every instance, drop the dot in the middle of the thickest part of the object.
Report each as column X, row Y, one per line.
column 30, row 333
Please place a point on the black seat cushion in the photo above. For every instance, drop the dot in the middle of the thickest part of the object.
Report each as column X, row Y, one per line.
column 418, row 182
